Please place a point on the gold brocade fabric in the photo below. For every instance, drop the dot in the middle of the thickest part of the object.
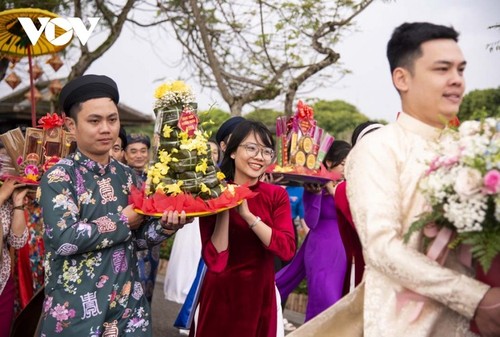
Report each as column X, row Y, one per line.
column 383, row 171
column 345, row 318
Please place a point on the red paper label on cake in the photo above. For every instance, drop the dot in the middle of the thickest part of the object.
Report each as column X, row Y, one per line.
column 188, row 121
column 305, row 126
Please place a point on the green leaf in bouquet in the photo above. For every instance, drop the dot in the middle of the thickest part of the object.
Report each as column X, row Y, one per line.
column 485, row 246
column 423, row 220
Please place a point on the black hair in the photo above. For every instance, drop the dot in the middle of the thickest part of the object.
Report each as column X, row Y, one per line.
column 242, row 130
column 138, row 138
column 357, row 131
column 219, row 151
column 74, row 110
column 406, row 40
column 123, row 136
column 337, row 152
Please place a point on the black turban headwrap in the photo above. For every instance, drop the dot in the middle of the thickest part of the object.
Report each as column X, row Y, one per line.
column 227, row 128
column 87, row 87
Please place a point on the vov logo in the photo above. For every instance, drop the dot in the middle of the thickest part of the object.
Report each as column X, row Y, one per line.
column 70, row 25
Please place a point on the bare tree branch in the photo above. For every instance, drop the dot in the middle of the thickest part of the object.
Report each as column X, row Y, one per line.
column 258, row 51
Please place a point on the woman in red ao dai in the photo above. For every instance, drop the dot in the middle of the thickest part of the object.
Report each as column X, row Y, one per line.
column 238, row 293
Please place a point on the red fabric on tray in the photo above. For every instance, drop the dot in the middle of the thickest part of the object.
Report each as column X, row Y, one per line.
column 159, row 202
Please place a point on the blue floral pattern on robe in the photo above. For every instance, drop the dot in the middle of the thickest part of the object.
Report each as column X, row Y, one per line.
column 92, row 286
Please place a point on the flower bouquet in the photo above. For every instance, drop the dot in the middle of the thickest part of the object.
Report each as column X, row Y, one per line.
column 462, row 187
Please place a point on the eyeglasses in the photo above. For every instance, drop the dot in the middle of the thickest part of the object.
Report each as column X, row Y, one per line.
column 253, row 150
column 117, row 148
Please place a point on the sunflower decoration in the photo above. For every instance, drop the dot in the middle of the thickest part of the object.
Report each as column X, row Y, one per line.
column 182, row 175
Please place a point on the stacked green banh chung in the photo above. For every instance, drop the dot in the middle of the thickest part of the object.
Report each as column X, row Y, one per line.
column 181, row 161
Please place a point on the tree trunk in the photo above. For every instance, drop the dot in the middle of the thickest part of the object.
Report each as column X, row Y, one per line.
column 236, row 106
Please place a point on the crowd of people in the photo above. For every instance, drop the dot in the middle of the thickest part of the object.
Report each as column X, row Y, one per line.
column 236, row 269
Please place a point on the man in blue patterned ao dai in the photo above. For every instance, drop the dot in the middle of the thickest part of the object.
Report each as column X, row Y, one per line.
column 91, row 232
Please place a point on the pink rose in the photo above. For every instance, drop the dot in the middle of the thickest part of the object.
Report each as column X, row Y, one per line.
column 492, row 182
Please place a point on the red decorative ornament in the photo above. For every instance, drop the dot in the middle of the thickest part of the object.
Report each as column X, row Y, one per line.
column 305, row 115
column 304, row 111
column 55, row 62
column 55, row 87
column 36, row 94
column 13, row 80
column 50, row 121
column 13, row 60
column 37, row 72
column 49, row 162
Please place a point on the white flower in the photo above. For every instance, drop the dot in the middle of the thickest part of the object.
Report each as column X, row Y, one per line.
column 468, row 182
column 469, row 128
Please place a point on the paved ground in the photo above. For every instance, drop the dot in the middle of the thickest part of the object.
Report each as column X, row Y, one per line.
column 165, row 312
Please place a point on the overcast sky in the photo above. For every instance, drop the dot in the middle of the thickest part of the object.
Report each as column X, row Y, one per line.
column 139, row 66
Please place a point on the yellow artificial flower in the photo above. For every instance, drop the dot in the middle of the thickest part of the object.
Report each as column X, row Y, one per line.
column 183, row 137
column 174, row 189
column 162, row 168
column 164, row 157
column 202, row 166
column 167, row 130
column 180, row 86
column 220, row 175
column 205, row 189
column 198, row 143
column 162, row 89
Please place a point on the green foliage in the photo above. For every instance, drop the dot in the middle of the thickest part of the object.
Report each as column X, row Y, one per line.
column 266, row 116
column 301, row 288
column 145, row 129
column 263, row 49
column 423, row 220
column 485, row 246
column 338, row 117
column 479, row 104
column 166, row 248
column 211, row 119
